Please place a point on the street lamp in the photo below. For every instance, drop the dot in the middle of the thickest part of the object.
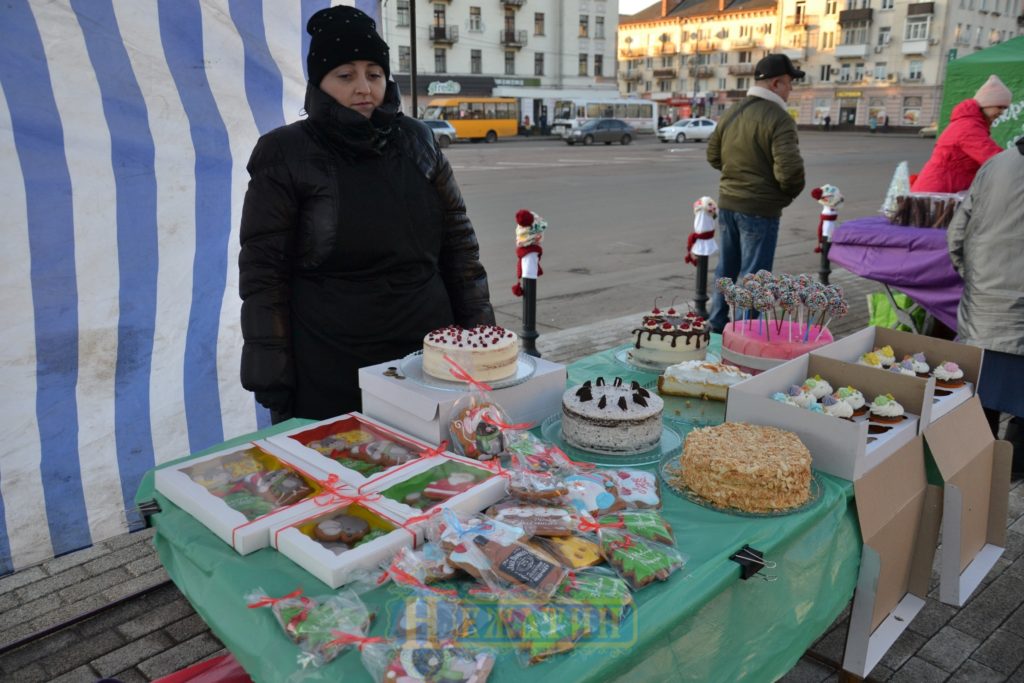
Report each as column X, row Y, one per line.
column 695, row 61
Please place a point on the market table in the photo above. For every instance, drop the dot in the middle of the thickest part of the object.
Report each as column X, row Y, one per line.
column 704, row 624
column 913, row 260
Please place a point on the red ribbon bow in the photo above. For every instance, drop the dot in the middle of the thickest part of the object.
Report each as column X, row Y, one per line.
column 432, row 452
column 341, row 639
column 269, row 601
column 495, row 466
column 422, row 518
column 587, row 525
column 624, row 544
column 518, row 426
column 459, row 373
column 333, row 494
column 401, row 576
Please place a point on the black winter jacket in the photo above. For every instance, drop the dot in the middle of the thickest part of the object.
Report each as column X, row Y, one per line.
column 355, row 244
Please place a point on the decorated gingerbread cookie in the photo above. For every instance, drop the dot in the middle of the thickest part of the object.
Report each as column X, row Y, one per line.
column 638, row 561
column 536, row 487
column 537, row 520
column 574, row 552
column 452, row 485
column 383, row 453
column 475, row 436
column 648, row 524
column 608, row 594
column 457, row 542
column 282, row 487
column 592, row 493
column 344, row 528
column 636, row 488
column 417, row 661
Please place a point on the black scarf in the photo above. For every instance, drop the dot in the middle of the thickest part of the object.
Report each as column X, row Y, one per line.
column 347, row 131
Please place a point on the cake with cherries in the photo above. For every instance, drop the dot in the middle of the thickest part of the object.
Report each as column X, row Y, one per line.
column 486, row 352
column 700, row 379
column 613, row 418
column 668, row 337
column 746, row 467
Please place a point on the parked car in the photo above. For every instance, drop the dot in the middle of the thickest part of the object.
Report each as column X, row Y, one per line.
column 444, row 132
column 687, row 129
column 602, row 130
column 929, row 131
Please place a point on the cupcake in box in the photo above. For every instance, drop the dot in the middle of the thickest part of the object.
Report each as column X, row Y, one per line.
column 870, row 359
column 904, row 368
column 800, row 396
column 836, row 408
column 919, row 364
column 854, row 398
column 886, row 355
column 948, row 375
column 817, row 387
column 886, row 410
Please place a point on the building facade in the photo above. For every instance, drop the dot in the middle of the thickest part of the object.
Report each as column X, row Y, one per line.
column 534, row 50
column 868, row 62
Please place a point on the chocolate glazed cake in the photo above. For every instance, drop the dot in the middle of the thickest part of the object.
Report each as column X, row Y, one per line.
column 668, row 338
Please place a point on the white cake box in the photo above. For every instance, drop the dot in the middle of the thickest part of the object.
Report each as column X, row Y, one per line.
column 294, row 442
column 975, row 469
column 294, row 540
column 896, row 512
column 969, row 358
column 424, row 411
column 842, row 448
column 491, row 487
column 231, row 526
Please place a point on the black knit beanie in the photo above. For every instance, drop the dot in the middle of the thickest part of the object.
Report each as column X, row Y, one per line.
column 343, row 34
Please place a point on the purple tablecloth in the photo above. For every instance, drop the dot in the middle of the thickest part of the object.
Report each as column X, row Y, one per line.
column 913, row 260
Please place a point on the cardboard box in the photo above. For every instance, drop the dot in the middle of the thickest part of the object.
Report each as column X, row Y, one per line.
column 839, row 447
column 490, row 489
column 295, row 441
column 895, row 508
column 969, row 358
column 295, row 541
column 424, row 412
column 976, row 471
column 176, row 482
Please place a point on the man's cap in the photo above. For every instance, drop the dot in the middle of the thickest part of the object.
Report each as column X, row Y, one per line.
column 774, row 66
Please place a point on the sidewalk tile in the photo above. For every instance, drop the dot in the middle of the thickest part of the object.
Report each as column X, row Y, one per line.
column 1002, row 651
column 155, row 619
column 23, row 615
column 180, row 656
column 8, row 601
column 82, row 652
column 33, row 652
column 144, row 564
column 130, row 676
column 128, row 610
column 187, row 628
column 94, row 584
column 82, row 674
column 65, row 562
column 917, row 670
column 1015, row 623
column 833, row 644
column 949, row 648
column 51, row 584
column 122, row 540
column 33, row 673
column 807, row 671
column 139, row 583
column 973, row 672
column 990, row 607
column 933, row 617
column 905, row 647
column 118, row 558
column 131, row 654
column 67, row 612
column 21, row 578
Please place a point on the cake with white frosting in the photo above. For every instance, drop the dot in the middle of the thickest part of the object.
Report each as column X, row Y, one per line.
column 612, row 418
column 667, row 337
column 486, row 352
column 700, row 379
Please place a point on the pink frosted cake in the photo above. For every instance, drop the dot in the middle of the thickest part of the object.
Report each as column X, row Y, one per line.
column 753, row 352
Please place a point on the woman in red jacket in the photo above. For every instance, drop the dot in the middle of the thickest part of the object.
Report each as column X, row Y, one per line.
column 966, row 143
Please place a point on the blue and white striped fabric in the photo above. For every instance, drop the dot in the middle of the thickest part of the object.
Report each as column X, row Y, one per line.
column 125, row 127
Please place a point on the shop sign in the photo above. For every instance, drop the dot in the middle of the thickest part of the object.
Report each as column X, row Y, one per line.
column 848, row 94
column 517, row 82
column 444, row 88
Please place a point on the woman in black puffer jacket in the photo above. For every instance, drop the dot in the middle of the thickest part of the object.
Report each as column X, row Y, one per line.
column 355, row 239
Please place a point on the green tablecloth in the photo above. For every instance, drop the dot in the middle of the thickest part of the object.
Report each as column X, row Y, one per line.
column 704, row 624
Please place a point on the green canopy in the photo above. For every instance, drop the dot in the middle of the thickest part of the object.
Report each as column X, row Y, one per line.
column 965, row 75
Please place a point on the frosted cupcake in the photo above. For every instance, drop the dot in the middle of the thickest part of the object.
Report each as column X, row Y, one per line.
column 885, row 410
column 816, row 408
column 870, row 359
column 783, row 398
column 948, row 375
column 904, row 368
column 853, row 397
column 836, row 408
column 817, row 387
column 919, row 364
column 800, row 397
column 886, row 355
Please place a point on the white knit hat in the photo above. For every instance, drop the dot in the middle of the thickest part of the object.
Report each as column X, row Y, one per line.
column 993, row 93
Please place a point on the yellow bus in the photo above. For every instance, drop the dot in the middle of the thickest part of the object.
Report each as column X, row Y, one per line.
column 477, row 118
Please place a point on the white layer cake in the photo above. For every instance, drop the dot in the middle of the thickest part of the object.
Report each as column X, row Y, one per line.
column 611, row 418
column 666, row 337
column 700, row 379
column 487, row 352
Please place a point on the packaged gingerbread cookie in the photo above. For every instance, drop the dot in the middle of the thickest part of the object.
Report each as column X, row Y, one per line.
column 636, row 488
column 390, row 660
column 647, row 524
column 640, row 562
column 598, row 590
column 574, row 552
column 536, row 520
column 475, row 427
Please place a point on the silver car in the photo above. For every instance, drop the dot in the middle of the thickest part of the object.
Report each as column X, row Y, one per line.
column 687, row 129
column 602, row 130
column 444, row 132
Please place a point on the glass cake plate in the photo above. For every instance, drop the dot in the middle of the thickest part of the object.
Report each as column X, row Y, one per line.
column 669, row 468
column 412, row 368
column 624, row 357
column 670, row 444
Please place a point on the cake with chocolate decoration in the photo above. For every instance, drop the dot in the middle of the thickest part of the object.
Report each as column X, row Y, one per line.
column 669, row 337
column 487, row 352
column 614, row 418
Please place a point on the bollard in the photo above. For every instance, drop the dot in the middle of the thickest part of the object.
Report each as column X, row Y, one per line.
column 700, row 299
column 825, row 267
column 529, row 333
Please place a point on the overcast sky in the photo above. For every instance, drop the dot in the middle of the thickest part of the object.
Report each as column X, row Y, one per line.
column 633, row 6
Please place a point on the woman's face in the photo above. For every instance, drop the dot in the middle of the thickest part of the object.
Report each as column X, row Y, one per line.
column 992, row 113
column 357, row 85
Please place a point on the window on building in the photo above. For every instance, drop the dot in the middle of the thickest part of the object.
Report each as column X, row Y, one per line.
column 967, row 35
column 584, row 26
column 538, row 23
column 970, row 4
column 831, row 6
column 665, row 61
column 746, row 31
column 723, row 57
column 475, row 23
column 844, row 71
column 767, row 29
column 884, row 35
column 828, row 40
column 583, row 67
column 476, row 62
column 746, row 56
column 796, row 38
column 649, row 62
column 801, row 12
column 721, row 84
column 742, row 83
column 538, row 64
column 599, row 65
column 956, row 34
column 599, row 27
column 858, row 71
column 664, row 85
column 647, row 86
column 914, row 72
column 404, row 59
column 510, row 21
column 880, row 71
column 439, row 15
column 887, row 4
column 917, row 27
column 983, row 6
column 855, row 33
column 911, row 111
column 510, row 62
column 825, row 73
column 440, row 60
column 403, row 12
column 977, row 36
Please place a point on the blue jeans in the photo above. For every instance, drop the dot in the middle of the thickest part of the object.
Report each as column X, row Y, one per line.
column 747, row 245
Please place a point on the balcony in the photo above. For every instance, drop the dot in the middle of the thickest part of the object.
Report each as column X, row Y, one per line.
column 748, row 41
column 634, row 53
column 848, row 51
column 667, row 49
column 853, row 16
column 916, row 9
column 702, row 71
column 706, row 46
column 665, row 73
column 916, row 47
column 446, row 35
column 516, row 39
column 741, row 69
column 733, row 94
column 631, row 75
column 516, row 4
column 801, row 20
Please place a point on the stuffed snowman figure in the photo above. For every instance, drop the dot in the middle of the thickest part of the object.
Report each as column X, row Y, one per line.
column 529, row 232
column 701, row 242
column 830, row 198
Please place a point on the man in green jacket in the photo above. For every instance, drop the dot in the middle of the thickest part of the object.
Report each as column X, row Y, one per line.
column 755, row 147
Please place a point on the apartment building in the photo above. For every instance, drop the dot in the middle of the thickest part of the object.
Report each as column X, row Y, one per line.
column 866, row 60
column 534, row 50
